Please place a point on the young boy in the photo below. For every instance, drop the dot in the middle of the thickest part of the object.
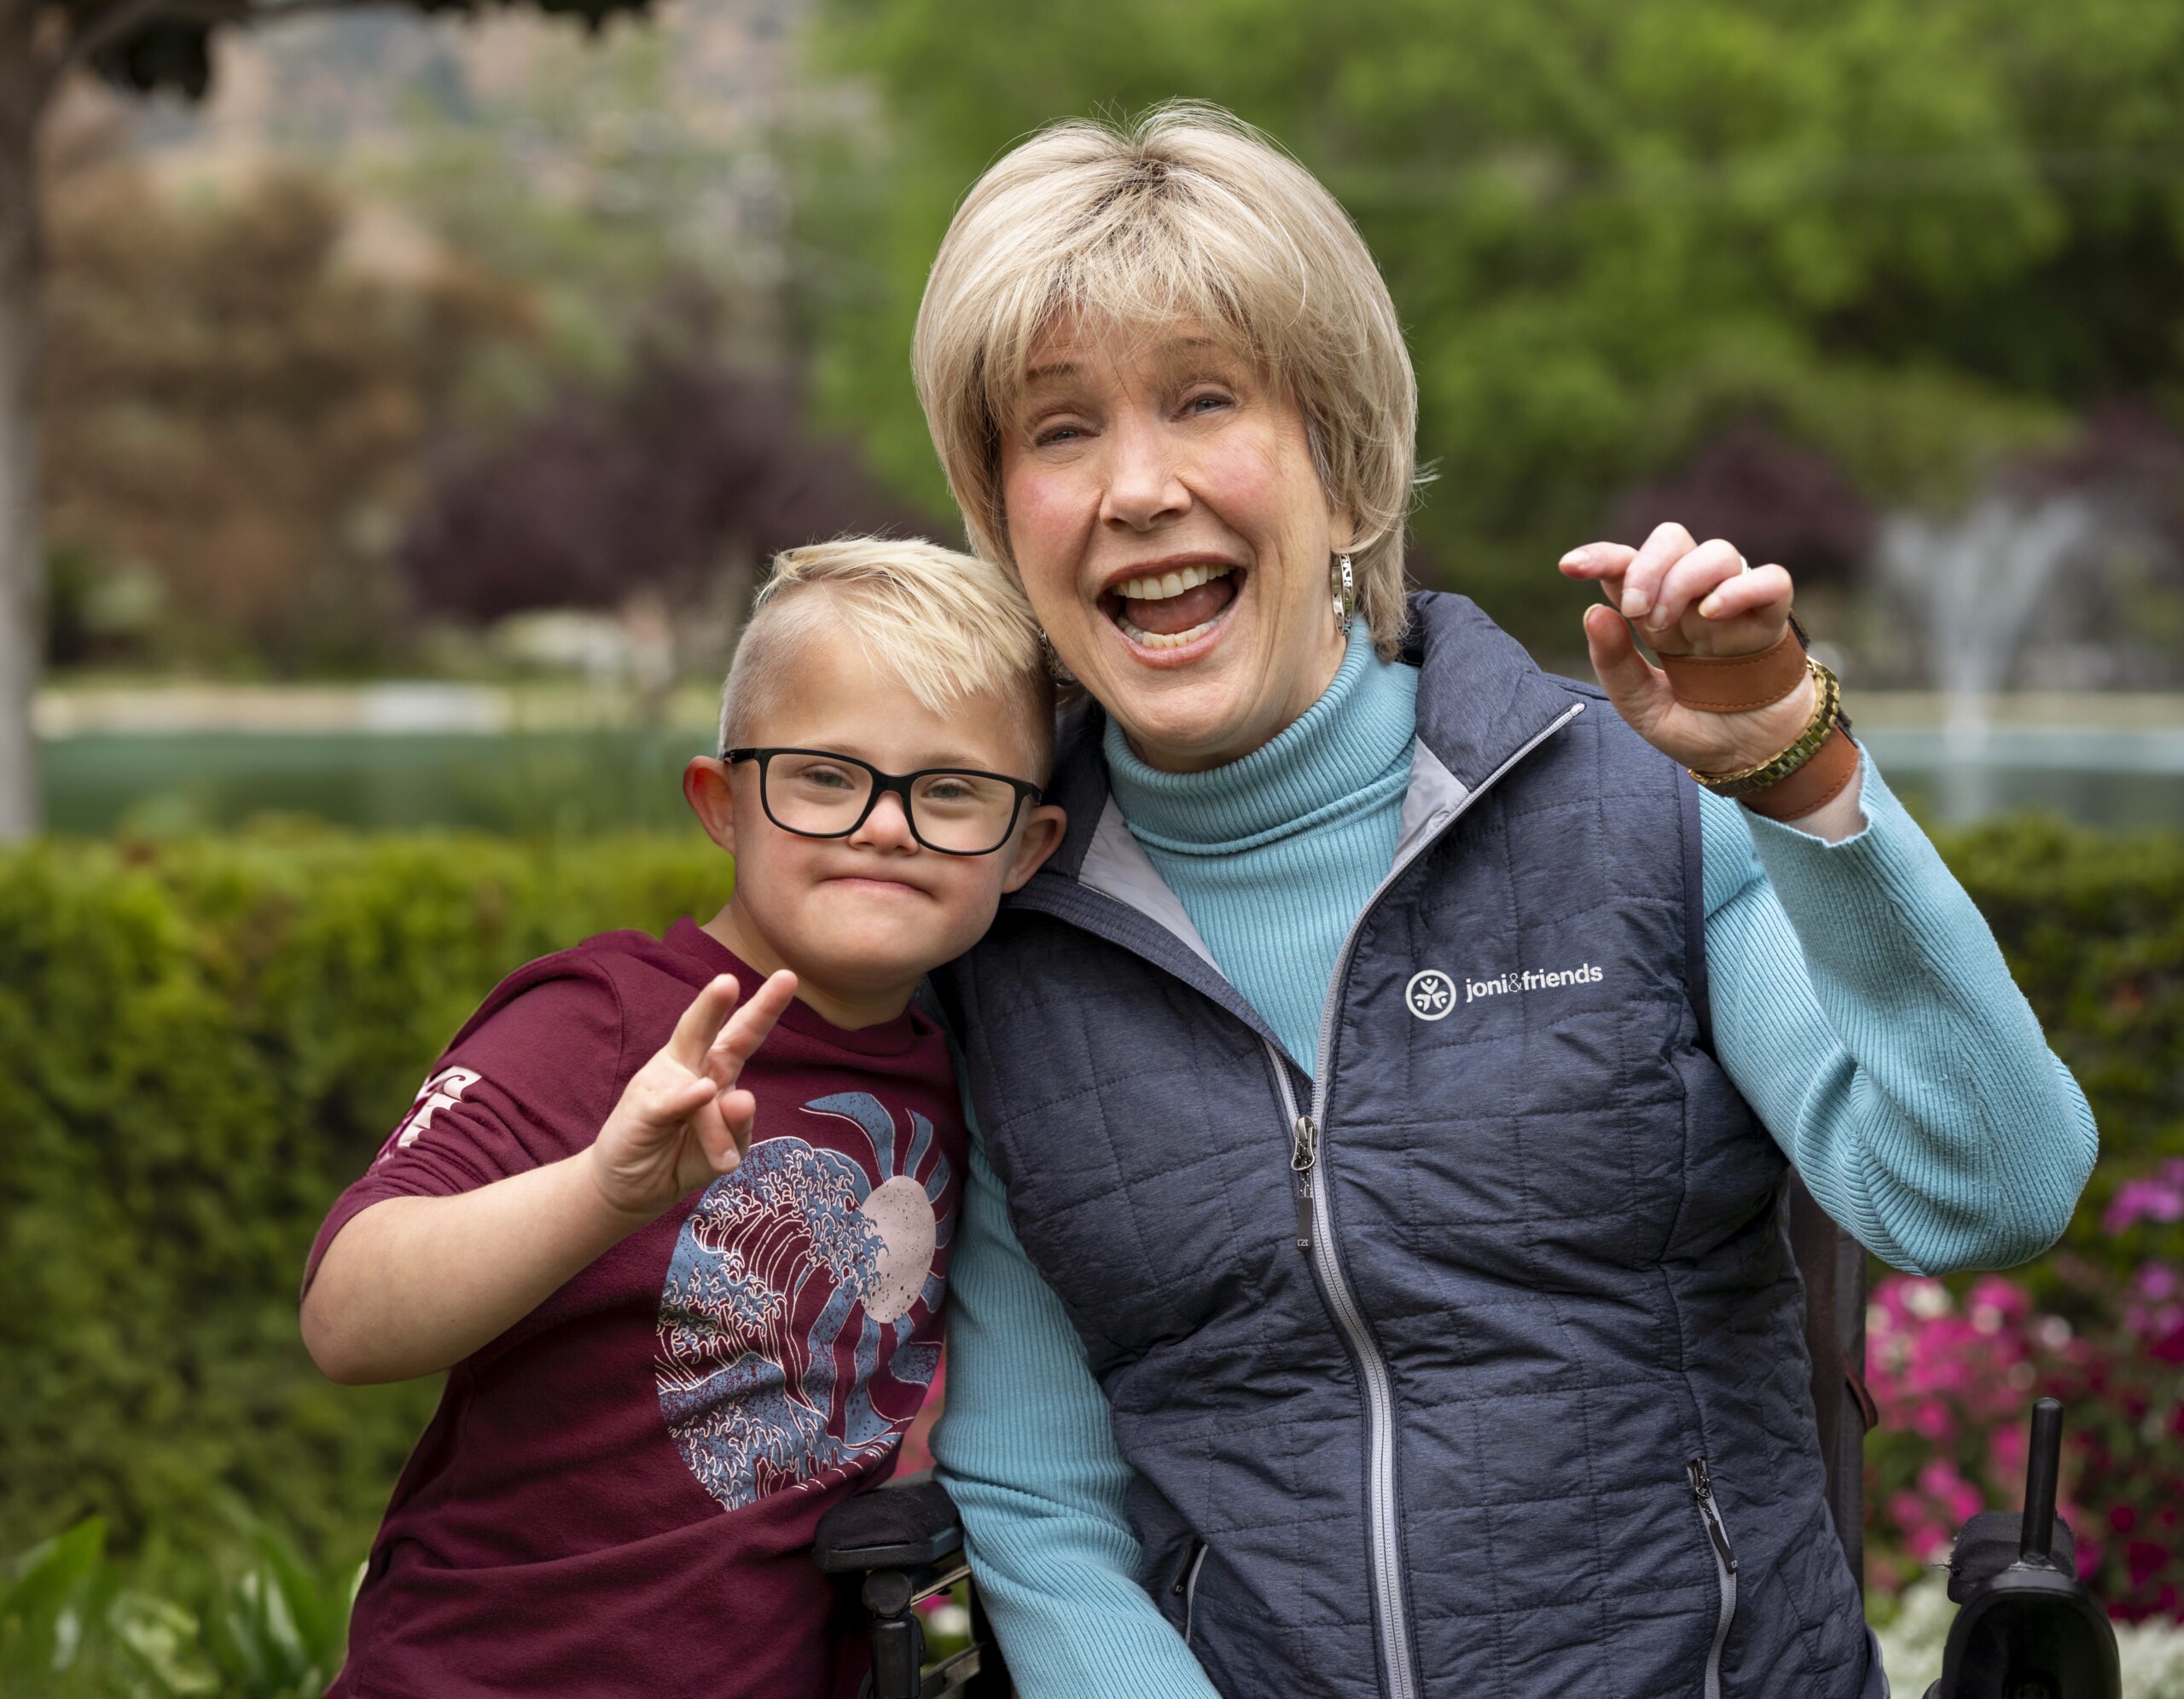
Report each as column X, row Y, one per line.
column 690, row 1286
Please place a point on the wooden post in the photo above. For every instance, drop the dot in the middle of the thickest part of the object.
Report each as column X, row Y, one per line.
column 22, row 549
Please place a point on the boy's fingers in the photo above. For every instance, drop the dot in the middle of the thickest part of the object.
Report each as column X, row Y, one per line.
column 725, row 1128
column 701, row 1023
column 738, row 1109
column 685, row 1098
column 746, row 1030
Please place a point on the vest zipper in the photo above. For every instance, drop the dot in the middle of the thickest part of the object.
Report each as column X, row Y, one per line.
column 1316, row 1234
column 1186, row 1585
column 1725, row 1568
column 1303, row 1155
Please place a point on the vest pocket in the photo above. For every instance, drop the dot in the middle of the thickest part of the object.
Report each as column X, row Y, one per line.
column 1184, row 1586
column 1725, row 1566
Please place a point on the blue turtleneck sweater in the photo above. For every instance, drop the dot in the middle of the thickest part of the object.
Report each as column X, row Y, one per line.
column 1305, row 825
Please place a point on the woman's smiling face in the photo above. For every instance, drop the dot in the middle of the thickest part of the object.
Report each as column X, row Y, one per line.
column 1173, row 538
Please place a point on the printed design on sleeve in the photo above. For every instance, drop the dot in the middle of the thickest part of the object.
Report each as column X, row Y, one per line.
column 443, row 1091
column 785, row 1327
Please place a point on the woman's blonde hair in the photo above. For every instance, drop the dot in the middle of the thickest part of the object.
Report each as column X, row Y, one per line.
column 1187, row 213
column 949, row 625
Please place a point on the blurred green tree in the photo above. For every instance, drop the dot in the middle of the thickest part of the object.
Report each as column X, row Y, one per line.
column 1908, row 233
column 136, row 44
column 643, row 214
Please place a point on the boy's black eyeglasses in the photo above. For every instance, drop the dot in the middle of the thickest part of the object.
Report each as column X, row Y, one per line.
column 816, row 793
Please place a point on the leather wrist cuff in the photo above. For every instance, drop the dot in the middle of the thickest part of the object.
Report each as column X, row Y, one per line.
column 1818, row 782
column 1736, row 684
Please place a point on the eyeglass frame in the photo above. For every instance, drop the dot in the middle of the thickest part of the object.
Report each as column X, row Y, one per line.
column 896, row 785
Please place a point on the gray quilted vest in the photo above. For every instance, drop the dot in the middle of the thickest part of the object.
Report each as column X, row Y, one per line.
column 1475, row 1369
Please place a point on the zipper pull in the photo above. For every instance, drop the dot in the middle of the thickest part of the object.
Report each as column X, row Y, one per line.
column 1702, row 1494
column 1304, row 1157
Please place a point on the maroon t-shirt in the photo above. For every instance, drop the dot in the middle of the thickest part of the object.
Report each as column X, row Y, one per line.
column 617, row 1496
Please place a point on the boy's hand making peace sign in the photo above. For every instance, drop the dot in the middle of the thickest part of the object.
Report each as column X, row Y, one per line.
column 681, row 1119
column 413, row 1284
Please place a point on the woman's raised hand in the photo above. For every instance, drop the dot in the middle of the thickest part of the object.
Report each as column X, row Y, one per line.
column 1687, row 597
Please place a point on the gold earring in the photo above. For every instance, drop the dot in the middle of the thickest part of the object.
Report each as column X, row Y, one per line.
column 1344, row 589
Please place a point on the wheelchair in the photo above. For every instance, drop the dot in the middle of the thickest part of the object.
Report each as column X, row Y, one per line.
column 2026, row 1627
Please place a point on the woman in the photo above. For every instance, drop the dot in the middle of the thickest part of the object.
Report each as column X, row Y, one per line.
column 1394, row 1076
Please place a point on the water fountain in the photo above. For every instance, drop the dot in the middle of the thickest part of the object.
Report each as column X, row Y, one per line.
column 1975, row 584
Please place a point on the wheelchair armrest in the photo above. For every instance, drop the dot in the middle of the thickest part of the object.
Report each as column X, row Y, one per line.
column 905, row 1525
column 1988, row 1544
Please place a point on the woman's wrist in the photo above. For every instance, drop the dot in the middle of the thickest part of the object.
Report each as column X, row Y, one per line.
column 1841, row 817
column 1797, row 778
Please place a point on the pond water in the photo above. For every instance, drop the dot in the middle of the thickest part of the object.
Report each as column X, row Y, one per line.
column 2116, row 778
column 157, row 785
column 581, row 781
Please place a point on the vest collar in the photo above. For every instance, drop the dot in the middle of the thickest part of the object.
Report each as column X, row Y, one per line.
column 1481, row 698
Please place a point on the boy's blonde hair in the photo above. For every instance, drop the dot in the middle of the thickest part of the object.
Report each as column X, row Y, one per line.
column 1187, row 213
column 949, row 625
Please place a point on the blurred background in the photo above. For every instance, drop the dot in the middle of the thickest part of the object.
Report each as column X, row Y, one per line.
column 422, row 392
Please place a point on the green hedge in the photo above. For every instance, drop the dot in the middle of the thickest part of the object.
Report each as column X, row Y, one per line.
column 201, row 1042
column 2094, row 929
column 200, row 1045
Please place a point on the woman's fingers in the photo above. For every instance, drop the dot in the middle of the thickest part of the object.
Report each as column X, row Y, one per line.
column 1691, row 578
column 748, row 1028
column 1639, row 690
column 1642, row 578
column 1598, row 560
column 1764, row 590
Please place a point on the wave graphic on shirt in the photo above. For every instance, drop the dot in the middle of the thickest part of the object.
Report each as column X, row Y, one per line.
column 794, row 1289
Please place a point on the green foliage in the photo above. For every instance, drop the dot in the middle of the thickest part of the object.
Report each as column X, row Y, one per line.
column 281, row 1626
column 54, row 1595
column 603, row 183
column 2094, row 929
column 71, row 1626
column 1914, row 231
column 201, row 1043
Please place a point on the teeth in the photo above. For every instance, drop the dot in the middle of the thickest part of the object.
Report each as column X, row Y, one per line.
column 1161, row 586
column 1166, row 639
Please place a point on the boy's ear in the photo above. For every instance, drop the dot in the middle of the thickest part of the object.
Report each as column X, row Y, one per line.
column 1040, row 838
column 711, row 797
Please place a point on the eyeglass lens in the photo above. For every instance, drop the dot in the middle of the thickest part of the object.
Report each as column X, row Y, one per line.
column 964, row 813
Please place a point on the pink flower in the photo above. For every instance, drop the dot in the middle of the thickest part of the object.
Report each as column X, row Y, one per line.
column 2159, row 1196
column 1959, row 1499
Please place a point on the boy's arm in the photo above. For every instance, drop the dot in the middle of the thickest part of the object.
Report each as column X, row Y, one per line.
column 1861, row 1006
column 1025, row 1447
column 411, row 1284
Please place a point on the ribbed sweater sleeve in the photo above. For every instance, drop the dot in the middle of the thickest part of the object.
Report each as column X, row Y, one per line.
column 1864, row 1009
column 1027, row 1449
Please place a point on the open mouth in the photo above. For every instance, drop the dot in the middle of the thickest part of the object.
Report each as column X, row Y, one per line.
column 1169, row 609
